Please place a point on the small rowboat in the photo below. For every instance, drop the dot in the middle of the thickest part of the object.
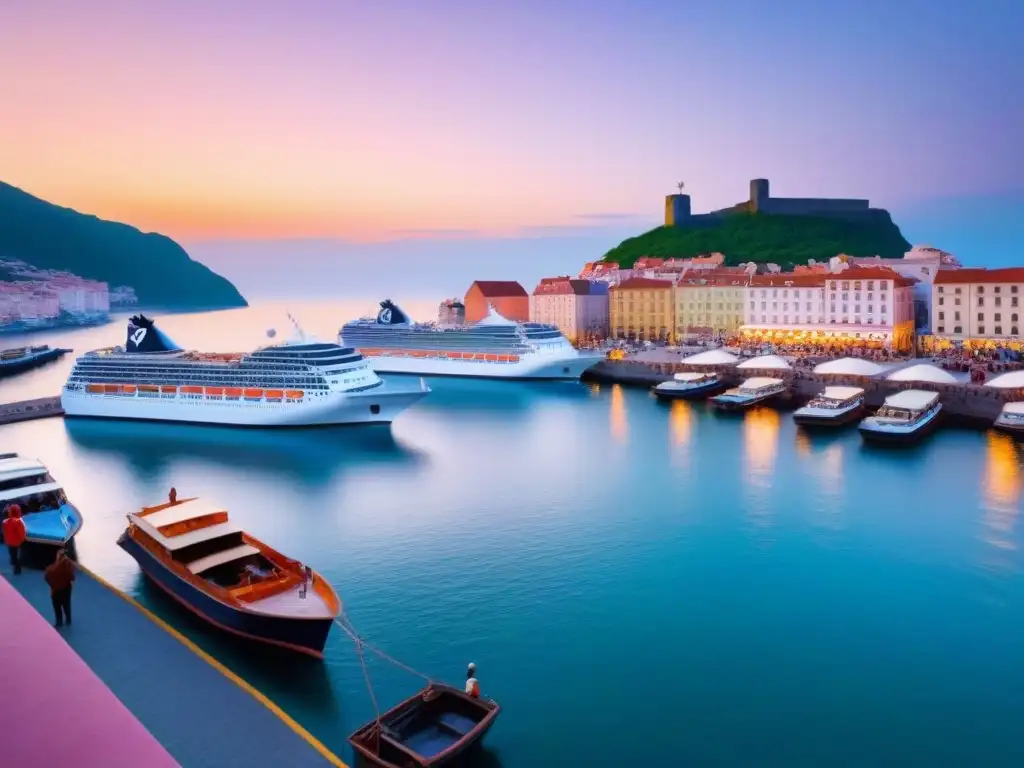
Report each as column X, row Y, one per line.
column 427, row 730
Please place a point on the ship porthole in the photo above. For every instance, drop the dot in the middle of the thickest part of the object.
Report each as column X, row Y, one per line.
column 374, row 409
column 565, row 370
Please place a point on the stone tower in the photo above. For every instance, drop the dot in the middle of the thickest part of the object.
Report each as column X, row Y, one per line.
column 758, row 195
column 677, row 210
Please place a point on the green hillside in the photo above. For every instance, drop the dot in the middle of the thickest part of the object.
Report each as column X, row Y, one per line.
column 162, row 274
column 768, row 239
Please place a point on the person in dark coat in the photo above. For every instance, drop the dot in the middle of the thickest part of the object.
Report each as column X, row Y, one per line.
column 60, row 575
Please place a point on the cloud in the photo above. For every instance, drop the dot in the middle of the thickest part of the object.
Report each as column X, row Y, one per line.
column 427, row 232
column 609, row 216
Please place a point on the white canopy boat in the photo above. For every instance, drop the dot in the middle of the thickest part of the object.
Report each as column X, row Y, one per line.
column 833, row 407
column 904, row 417
column 758, row 389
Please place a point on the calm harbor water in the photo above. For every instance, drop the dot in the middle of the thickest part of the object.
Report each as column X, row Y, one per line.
column 638, row 583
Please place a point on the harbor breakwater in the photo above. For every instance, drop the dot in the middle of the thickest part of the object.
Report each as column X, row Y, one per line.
column 969, row 404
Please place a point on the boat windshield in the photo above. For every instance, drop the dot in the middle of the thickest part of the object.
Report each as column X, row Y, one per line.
column 899, row 414
column 41, row 502
column 43, row 478
column 829, row 402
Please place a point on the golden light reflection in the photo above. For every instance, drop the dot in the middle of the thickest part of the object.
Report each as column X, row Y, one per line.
column 593, row 387
column 760, row 444
column 680, row 422
column 1002, row 485
column 803, row 444
column 832, row 471
column 618, row 414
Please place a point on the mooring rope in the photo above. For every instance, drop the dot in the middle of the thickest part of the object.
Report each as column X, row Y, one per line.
column 350, row 630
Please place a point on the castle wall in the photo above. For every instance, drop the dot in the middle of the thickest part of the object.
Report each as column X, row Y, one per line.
column 811, row 206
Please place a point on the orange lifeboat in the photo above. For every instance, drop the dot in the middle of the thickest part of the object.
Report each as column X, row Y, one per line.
column 214, row 391
column 275, row 394
column 294, row 394
column 491, row 358
column 148, row 388
column 112, row 389
column 368, row 352
column 253, row 394
column 419, row 353
column 513, row 358
column 169, row 389
column 191, row 390
column 232, row 392
column 129, row 389
column 95, row 389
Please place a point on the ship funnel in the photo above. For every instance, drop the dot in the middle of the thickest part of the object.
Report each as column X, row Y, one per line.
column 390, row 314
column 144, row 336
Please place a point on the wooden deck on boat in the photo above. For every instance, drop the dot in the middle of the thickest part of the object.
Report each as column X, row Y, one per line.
column 200, row 715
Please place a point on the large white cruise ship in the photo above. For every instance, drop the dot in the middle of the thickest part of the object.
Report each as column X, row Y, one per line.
column 297, row 383
column 494, row 347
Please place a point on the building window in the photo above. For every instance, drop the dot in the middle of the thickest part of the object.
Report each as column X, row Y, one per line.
column 999, row 330
column 940, row 289
column 981, row 330
column 999, row 301
column 942, row 315
column 958, row 329
column 956, row 291
column 1013, row 289
column 941, row 301
column 1013, row 317
column 981, row 317
column 996, row 289
column 981, row 289
column 1013, row 331
column 942, row 329
column 999, row 316
column 956, row 315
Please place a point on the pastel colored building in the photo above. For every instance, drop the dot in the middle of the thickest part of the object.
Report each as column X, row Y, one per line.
column 978, row 303
column 605, row 272
column 860, row 304
column 922, row 263
column 642, row 308
column 451, row 312
column 579, row 308
column 507, row 297
column 707, row 302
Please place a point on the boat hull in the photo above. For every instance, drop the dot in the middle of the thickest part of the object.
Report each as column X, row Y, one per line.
column 54, row 527
column 872, row 434
column 820, row 420
column 1008, row 428
column 305, row 635
column 740, row 405
column 28, row 362
column 534, row 367
column 379, row 406
column 688, row 393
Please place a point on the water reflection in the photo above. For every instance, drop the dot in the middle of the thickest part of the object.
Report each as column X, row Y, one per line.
column 681, row 422
column 803, row 444
column 1001, row 487
column 311, row 456
column 618, row 414
column 760, row 446
column 506, row 400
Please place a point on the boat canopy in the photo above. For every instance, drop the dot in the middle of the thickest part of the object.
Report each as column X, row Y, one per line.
column 842, row 393
column 166, row 525
column 766, row 362
column 912, row 400
column 1014, row 408
column 850, row 366
column 190, row 509
column 1011, row 380
column 923, row 372
column 219, row 558
column 760, row 382
column 691, row 376
column 711, row 357
column 15, row 466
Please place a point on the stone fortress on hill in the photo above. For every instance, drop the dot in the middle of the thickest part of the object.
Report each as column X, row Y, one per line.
column 678, row 213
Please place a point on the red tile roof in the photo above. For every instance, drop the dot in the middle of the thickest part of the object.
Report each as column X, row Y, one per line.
column 642, row 283
column 980, row 275
column 498, row 288
column 789, row 279
column 872, row 273
column 557, row 285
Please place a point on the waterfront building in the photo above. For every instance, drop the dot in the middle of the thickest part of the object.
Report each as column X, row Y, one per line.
column 123, row 296
column 708, row 302
column 978, row 303
column 856, row 305
column 507, row 297
column 578, row 308
column 604, row 272
column 642, row 308
column 921, row 263
column 451, row 312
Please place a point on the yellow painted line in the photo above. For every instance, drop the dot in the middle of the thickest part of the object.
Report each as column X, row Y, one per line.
column 280, row 713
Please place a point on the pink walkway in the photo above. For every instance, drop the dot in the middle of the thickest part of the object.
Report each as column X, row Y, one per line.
column 55, row 709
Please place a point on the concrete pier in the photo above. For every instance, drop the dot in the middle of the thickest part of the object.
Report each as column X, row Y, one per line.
column 27, row 410
column 202, row 714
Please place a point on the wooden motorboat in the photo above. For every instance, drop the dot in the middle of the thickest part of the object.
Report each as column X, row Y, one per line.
column 429, row 729
column 688, row 386
column 832, row 408
column 191, row 550
column 753, row 391
column 48, row 515
column 905, row 417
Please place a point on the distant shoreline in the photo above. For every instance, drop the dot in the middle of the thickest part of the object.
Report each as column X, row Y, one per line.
column 50, row 325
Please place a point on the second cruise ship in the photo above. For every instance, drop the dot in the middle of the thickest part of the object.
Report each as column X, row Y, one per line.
column 295, row 383
column 495, row 347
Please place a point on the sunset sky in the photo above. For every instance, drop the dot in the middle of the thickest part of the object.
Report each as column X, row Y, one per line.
column 378, row 120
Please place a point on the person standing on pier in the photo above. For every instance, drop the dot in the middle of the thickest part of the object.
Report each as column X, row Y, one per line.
column 14, row 535
column 172, row 497
column 60, row 575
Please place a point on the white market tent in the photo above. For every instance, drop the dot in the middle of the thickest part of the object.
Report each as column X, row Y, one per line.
column 912, row 400
column 924, row 373
column 850, row 366
column 766, row 363
column 1011, row 380
column 711, row 357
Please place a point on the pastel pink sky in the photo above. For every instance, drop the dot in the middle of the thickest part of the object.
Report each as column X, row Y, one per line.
column 348, row 119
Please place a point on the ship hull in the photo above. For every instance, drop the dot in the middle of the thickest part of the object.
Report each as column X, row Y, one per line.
column 535, row 367
column 379, row 406
column 306, row 636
